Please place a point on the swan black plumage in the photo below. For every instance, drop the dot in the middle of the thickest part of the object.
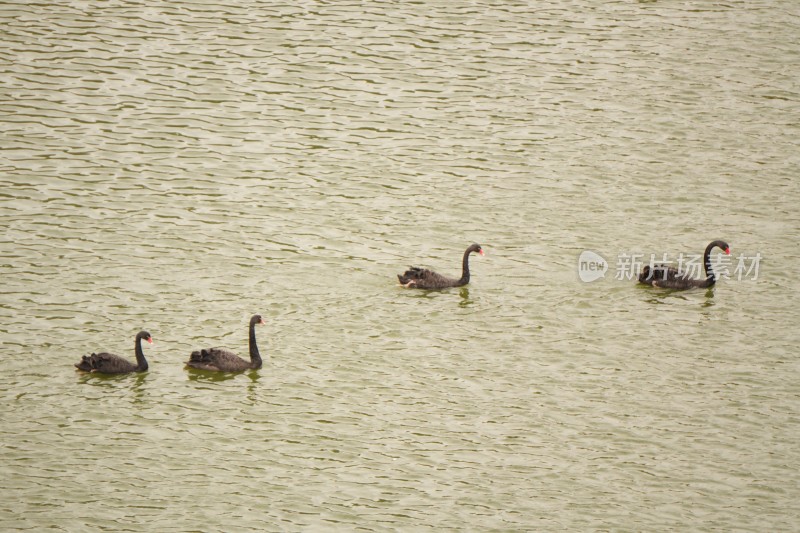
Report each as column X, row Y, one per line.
column 223, row 360
column 422, row 278
column 668, row 277
column 108, row 363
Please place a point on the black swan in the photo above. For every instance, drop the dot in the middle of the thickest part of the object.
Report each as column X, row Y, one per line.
column 222, row 360
column 108, row 363
column 671, row 278
column 422, row 278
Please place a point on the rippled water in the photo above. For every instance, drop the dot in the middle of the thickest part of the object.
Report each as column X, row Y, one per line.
column 181, row 166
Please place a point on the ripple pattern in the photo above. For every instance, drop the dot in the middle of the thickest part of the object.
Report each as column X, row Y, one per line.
column 180, row 166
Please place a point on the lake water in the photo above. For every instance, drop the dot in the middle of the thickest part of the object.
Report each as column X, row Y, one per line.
column 181, row 166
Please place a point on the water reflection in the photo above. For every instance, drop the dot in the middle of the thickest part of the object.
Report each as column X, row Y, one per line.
column 209, row 376
column 138, row 388
column 254, row 376
column 465, row 299
column 97, row 379
column 665, row 296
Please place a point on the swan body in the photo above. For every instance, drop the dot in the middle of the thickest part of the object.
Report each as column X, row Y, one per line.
column 224, row 360
column 668, row 277
column 108, row 363
column 422, row 278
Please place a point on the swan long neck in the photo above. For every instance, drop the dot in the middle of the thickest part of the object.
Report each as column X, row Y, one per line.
column 711, row 278
column 255, row 357
column 141, row 362
column 465, row 268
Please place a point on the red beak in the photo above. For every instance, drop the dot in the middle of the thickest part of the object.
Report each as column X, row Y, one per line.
column 150, row 340
column 482, row 252
column 727, row 251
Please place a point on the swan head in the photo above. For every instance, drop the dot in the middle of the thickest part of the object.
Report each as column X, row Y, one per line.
column 145, row 335
column 476, row 248
column 722, row 245
column 257, row 319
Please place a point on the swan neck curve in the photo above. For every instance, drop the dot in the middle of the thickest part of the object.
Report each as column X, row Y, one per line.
column 465, row 268
column 141, row 362
column 711, row 278
column 255, row 356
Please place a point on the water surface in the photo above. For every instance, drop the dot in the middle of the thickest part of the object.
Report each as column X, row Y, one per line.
column 180, row 167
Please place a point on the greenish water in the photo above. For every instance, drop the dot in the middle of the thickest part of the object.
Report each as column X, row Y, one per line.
column 180, row 167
